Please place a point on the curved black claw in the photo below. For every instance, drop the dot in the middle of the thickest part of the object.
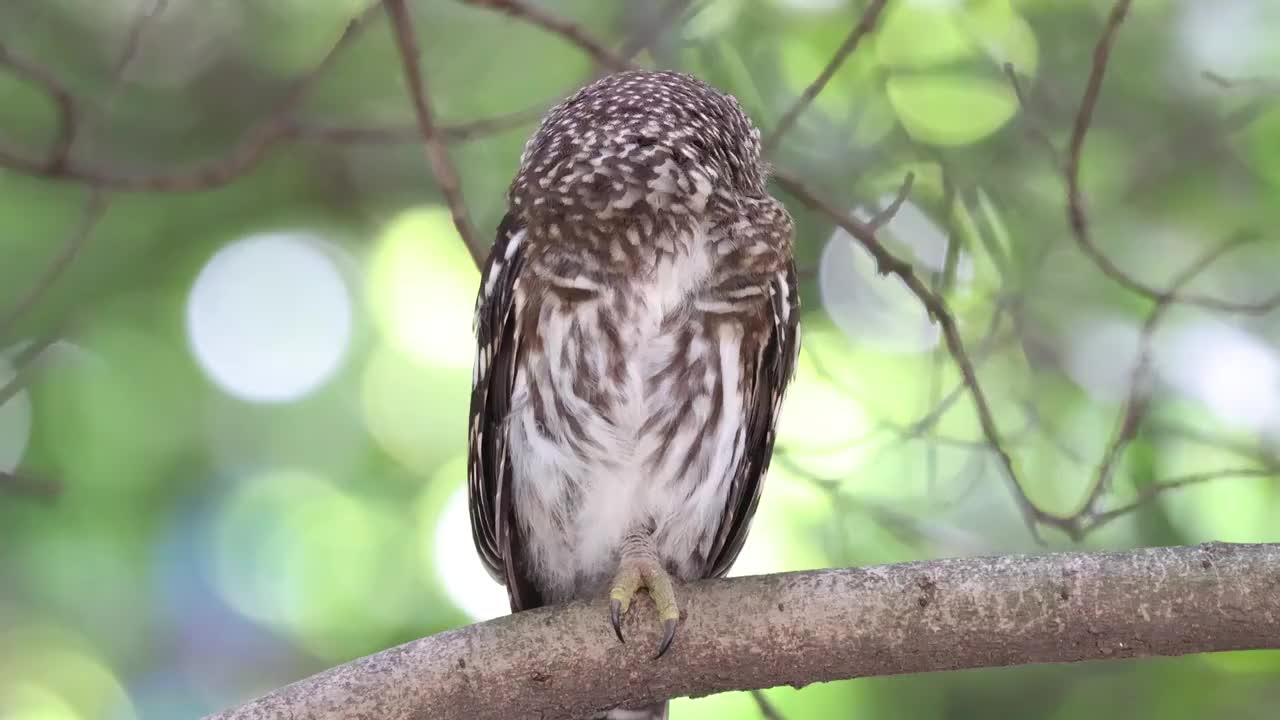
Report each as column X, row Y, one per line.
column 615, row 616
column 668, row 636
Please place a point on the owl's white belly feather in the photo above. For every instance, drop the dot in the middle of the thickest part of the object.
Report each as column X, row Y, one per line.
column 648, row 445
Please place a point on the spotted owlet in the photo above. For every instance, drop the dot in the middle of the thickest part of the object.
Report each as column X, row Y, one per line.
column 637, row 325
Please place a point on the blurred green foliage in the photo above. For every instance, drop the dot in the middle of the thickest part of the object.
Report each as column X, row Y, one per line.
column 210, row 542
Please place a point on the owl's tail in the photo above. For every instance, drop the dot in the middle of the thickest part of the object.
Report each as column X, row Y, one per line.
column 656, row 711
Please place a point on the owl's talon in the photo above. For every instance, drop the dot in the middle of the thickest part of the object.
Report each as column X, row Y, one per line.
column 668, row 636
column 634, row 574
column 615, row 616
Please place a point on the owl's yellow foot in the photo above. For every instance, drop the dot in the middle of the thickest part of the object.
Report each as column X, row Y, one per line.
column 635, row 573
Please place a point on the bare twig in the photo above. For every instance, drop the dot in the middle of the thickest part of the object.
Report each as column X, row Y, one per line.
column 14, row 483
column 133, row 41
column 93, row 210
column 244, row 157
column 62, row 99
column 23, row 365
column 441, row 166
column 1255, row 451
column 1150, row 492
column 886, row 214
column 1034, row 131
column 553, row 24
column 1076, row 214
column 864, row 26
column 394, row 134
column 665, row 18
column 936, row 306
column 1229, row 83
column 1135, row 405
column 768, row 710
column 563, row 662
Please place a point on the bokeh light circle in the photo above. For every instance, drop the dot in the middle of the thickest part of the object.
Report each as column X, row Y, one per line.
column 466, row 582
column 423, row 286
column 294, row 552
column 49, row 673
column 269, row 317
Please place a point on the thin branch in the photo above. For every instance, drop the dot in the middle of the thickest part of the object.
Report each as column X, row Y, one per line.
column 133, row 41
column 437, row 155
column 338, row 134
column 1034, row 131
column 563, row 662
column 559, row 26
column 936, row 306
column 880, row 219
column 89, row 217
column 767, row 709
column 1076, row 214
column 62, row 99
column 1150, row 492
column 1256, row 451
column 665, row 18
column 241, row 159
column 14, row 483
column 1135, row 405
column 851, row 41
column 1270, row 84
column 24, row 363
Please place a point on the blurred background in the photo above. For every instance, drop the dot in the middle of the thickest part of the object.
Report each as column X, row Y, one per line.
column 235, row 340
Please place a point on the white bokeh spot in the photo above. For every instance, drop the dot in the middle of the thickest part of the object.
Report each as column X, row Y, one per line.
column 462, row 573
column 1231, row 371
column 269, row 317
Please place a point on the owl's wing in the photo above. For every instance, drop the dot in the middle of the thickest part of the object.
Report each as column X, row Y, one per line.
column 497, row 326
column 767, row 373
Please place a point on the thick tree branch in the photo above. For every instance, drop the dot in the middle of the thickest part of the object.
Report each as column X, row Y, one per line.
column 799, row 628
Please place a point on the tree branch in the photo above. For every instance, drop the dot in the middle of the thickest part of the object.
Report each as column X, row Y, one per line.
column 842, row 53
column 800, row 628
column 442, row 166
column 94, row 208
column 242, row 158
column 936, row 306
column 558, row 26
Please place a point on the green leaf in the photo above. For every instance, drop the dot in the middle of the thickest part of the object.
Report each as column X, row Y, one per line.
column 1260, row 146
column 1003, row 35
column 921, row 36
column 950, row 109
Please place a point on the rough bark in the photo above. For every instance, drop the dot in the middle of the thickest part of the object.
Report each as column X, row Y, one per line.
column 799, row 628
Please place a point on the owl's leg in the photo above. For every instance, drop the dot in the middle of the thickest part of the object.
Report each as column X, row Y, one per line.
column 639, row 568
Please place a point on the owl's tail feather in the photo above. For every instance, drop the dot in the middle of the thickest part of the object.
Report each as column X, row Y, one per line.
column 656, row 711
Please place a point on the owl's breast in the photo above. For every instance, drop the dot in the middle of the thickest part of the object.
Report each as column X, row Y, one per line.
column 626, row 414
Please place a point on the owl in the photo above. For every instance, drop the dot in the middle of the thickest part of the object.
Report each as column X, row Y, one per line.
column 637, row 325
